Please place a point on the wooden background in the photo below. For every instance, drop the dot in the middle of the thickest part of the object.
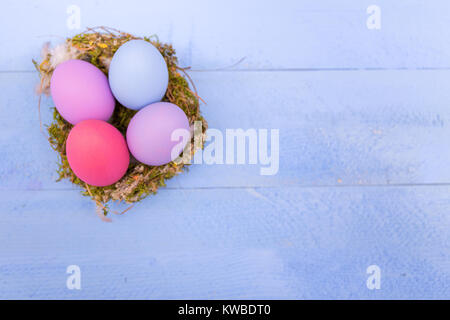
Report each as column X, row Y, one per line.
column 364, row 178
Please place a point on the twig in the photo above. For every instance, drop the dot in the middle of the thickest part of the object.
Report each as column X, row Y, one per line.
column 192, row 82
column 39, row 105
column 104, row 219
column 120, row 213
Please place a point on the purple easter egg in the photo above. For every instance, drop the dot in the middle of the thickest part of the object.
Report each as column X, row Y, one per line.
column 81, row 91
column 152, row 131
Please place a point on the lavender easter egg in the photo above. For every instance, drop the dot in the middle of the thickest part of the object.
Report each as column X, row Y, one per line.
column 97, row 152
column 138, row 74
column 153, row 135
column 81, row 91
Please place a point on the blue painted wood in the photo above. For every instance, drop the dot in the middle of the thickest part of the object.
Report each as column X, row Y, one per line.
column 230, row 243
column 352, row 128
column 210, row 35
column 363, row 179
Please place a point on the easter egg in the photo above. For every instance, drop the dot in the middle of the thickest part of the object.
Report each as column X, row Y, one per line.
column 97, row 152
column 149, row 134
column 81, row 91
column 138, row 74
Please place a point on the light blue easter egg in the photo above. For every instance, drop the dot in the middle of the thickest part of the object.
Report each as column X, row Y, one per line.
column 138, row 74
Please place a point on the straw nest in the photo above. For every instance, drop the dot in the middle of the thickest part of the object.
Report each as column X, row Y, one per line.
column 97, row 46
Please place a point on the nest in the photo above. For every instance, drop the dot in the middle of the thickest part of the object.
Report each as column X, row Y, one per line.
column 97, row 46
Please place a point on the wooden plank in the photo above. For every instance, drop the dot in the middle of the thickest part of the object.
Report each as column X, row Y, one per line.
column 230, row 243
column 210, row 35
column 336, row 128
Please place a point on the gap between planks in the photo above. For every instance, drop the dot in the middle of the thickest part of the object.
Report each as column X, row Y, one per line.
column 284, row 70
column 392, row 185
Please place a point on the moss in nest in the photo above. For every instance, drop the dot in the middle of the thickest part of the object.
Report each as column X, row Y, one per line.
column 97, row 46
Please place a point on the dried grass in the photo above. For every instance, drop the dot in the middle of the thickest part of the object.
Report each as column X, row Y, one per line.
column 97, row 46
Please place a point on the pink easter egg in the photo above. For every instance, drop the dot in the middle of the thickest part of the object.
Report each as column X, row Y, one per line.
column 150, row 133
column 81, row 91
column 97, row 152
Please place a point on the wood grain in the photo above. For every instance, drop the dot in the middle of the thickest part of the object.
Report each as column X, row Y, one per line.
column 230, row 243
column 210, row 35
column 336, row 128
